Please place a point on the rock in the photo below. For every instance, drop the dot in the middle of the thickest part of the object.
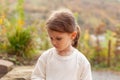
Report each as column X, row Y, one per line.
column 5, row 66
column 19, row 73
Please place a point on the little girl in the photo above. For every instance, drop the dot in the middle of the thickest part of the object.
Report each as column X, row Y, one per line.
column 63, row 61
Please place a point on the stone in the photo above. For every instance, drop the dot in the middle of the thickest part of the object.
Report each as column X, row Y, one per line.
column 19, row 73
column 5, row 66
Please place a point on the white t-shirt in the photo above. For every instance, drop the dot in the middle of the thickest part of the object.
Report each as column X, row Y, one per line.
column 51, row 66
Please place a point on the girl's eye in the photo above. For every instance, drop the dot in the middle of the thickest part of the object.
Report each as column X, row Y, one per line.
column 51, row 38
column 59, row 39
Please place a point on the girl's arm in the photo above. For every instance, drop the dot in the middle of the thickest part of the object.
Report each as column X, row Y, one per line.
column 86, row 72
column 39, row 70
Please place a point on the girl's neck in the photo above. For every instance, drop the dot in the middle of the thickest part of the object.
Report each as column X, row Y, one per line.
column 66, row 52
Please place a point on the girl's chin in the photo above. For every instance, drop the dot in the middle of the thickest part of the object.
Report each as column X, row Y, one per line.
column 59, row 50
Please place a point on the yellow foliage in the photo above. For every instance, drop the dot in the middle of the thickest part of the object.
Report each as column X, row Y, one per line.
column 3, row 16
column 1, row 21
column 86, row 35
column 3, row 30
column 114, row 34
column 20, row 22
column 4, row 46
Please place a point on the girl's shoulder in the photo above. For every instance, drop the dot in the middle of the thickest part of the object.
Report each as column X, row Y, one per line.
column 47, row 53
column 81, row 57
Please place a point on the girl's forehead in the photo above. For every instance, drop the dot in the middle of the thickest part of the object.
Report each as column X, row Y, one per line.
column 55, row 33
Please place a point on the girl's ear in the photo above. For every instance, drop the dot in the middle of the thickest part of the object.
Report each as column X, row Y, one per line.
column 73, row 35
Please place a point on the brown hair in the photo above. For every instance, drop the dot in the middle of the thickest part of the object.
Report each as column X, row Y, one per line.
column 64, row 21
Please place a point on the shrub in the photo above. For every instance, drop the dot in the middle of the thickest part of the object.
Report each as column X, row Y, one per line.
column 21, row 42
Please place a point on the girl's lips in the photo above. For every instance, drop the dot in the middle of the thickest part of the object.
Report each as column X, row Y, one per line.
column 56, row 46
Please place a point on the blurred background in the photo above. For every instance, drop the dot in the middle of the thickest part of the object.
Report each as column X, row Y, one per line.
column 23, row 36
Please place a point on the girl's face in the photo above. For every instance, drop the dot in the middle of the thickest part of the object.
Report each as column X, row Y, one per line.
column 61, row 41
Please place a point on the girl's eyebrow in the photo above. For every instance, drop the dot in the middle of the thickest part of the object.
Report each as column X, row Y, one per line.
column 55, row 37
column 58, row 37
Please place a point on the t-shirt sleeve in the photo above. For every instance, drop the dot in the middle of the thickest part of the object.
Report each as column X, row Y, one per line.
column 86, row 72
column 40, row 67
column 85, row 68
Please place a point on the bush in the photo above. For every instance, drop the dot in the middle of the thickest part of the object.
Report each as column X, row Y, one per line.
column 21, row 42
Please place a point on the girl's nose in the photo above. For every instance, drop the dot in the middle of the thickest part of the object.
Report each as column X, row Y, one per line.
column 54, row 42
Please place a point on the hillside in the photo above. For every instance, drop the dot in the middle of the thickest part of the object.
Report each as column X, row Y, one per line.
column 90, row 13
